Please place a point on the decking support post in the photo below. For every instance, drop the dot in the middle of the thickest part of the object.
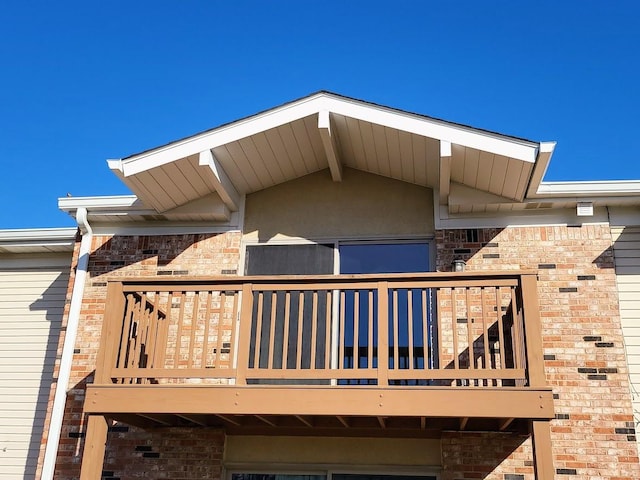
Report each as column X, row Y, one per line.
column 244, row 334
column 383, row 334
column 94, row 446
column 542, row 451
column 533, row 331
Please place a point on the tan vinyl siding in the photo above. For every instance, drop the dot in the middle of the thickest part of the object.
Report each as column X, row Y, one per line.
column 32, row 295
column 627, row 258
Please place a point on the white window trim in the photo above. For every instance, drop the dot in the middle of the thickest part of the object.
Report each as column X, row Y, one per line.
column 329, row 469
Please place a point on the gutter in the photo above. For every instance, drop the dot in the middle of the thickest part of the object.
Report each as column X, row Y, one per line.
column 64, row 373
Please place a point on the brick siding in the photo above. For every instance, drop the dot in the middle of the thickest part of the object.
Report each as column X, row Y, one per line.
column 138, row 256
column 593, row 435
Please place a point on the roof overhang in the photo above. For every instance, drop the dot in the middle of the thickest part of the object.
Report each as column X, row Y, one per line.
column 325, row 130
column 42, row 240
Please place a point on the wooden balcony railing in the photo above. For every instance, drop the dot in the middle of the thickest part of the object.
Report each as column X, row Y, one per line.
column 474, row 330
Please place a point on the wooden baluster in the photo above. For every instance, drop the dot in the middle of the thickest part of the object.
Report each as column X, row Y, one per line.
column 271, row 341
column 371, row 327
column 207, row 331
column 256, row 353
column 314, row 329
column 176, row 356
column 299, row 330
column 327, row 334
column 410, row 327
column 285, row 329
column 356, row 330
column 501, row 342
column 194, row 325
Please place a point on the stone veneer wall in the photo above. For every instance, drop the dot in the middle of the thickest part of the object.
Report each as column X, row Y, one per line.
column 593, row 434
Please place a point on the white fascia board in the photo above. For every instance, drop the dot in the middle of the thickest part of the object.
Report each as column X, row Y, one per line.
column 545, row 153
column 38, row 236
column 412, row 123
column 115, row 202
column 611, row 188
column 567, row 216
column 437, row 129
column 220, row 136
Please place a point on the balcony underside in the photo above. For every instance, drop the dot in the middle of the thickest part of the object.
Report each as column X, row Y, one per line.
column 330, row 410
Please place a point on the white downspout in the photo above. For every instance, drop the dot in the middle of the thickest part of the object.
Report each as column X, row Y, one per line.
column 57, row 414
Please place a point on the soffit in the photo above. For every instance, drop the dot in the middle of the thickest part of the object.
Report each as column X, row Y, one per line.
column 292, row 141
column 19, row 241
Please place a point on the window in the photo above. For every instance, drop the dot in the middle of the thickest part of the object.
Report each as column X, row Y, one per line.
column 354, row 339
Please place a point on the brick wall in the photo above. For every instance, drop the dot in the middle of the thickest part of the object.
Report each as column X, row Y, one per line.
column 140, row 256
column 593, row 435
column 171, row 453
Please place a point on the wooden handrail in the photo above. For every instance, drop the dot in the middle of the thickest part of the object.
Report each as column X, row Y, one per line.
column 472, row 328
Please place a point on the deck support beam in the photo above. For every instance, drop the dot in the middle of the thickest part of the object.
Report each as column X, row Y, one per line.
column 94, row 446
column 542, row 452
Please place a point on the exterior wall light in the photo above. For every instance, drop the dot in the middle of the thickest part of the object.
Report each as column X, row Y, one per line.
column 459, row 265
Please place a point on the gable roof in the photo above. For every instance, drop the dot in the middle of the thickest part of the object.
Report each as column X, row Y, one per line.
column 326, row 130
column 201, row 179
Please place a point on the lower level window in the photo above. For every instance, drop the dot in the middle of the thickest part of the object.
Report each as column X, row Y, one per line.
column 327, row 476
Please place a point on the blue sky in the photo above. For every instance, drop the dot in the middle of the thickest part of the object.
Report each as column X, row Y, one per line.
column 87, row 81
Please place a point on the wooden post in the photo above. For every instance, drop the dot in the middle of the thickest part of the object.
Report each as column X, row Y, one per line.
column 533, row 331
column 383, row 334
column 244, row 336
column 542, row 452
column 111, row 331
column 94, row 446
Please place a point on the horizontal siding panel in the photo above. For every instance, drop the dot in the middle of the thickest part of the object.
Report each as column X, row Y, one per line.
column 628, row 279
column 26, row 369
column 38, row 413
column 41, row 304
column 626, row 248
column 6, row 361
column 31, row 309
column 626, row 270
column 629, row 263
column 18, row 405
column 631, row 297
column 631, row 236
column 633, row 331
column 10, row 328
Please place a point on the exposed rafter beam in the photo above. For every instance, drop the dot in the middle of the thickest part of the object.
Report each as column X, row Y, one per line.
column 226, row 418
column 157, row 419
column 463, row 422
column 220, row 180
column 445, row 172
column 504, row 424
column 382, row 421
column 423, row 423
column 266, row 420
column 330, row 145
column 305, row 420
column 192, row 420
column 343, row 421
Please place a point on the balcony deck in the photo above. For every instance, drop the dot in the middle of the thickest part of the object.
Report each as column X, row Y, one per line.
column 351, row 354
